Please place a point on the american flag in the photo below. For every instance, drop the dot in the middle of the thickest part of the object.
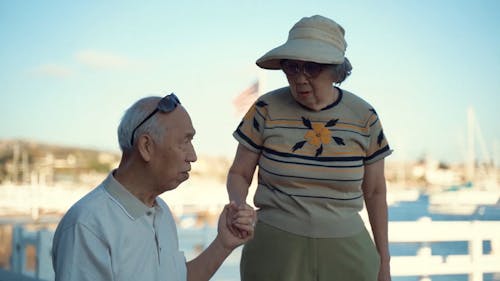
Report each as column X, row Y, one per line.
column 246, row 98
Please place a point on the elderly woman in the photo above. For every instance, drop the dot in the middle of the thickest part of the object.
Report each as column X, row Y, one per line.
column 320, row 151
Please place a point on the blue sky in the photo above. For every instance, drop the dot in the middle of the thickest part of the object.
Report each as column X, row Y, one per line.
column 68, row 69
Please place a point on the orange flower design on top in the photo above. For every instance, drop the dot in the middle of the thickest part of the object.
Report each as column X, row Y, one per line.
column 318, row 135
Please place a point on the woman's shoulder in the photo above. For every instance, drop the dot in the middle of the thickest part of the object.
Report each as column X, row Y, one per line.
column 276, row 95
column 355, row 100
column 277, row 102
column 357, row 105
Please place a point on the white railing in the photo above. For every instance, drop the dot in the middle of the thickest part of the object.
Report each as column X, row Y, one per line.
column 41, row 240
column 475, row 263
column 425, row 264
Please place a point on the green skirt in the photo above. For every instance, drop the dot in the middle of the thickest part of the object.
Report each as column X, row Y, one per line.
column 277, row 255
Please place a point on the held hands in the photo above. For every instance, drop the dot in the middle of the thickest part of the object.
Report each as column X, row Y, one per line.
column 236, row 224
column 242, row 221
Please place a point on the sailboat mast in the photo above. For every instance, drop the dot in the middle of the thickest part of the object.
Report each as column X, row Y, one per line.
column 471, row 157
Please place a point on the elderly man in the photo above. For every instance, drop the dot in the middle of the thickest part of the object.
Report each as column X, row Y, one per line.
column 122, row 230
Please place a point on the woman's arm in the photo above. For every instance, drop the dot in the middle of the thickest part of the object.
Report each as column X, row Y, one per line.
column 375, row 190
column 240, row 174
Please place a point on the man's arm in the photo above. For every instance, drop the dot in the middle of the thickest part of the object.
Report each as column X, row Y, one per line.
column 206, row 264
column 78, row 254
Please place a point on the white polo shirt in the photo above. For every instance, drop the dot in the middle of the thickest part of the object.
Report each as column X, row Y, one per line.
column 110, row 235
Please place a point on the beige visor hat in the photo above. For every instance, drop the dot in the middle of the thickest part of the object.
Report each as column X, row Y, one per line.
column 317, row 39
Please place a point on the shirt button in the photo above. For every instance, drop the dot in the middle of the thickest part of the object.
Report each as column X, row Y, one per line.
column 148, row 213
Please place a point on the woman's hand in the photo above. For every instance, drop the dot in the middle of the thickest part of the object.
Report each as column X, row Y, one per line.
column 236, row 224
column 241, row 219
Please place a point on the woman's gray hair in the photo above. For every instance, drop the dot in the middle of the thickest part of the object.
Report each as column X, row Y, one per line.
column 133, row 116
column 341, row 71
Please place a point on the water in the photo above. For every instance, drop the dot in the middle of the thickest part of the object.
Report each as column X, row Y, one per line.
column 193, row 240
column 414, row 210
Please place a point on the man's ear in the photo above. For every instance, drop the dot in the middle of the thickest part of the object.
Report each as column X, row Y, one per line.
column 145, row 145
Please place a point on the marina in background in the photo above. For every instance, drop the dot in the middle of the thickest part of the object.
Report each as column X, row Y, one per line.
column 444, row 218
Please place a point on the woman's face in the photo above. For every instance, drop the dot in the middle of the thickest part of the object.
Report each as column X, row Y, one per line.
column 310, row 83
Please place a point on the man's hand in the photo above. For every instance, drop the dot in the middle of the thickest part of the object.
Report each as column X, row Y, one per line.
column 204, row 266
column 236, row 225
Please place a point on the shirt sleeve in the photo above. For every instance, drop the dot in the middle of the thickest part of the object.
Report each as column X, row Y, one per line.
column 250, row 131
column 78, row 254
column 378, row 147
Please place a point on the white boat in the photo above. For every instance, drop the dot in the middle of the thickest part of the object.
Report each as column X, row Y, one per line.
column 462, row 201
column 395, row 196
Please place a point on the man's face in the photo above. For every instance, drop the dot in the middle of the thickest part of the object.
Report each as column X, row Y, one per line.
column 173, row 157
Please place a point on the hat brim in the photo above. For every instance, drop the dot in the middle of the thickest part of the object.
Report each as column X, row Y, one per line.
column 303, row 50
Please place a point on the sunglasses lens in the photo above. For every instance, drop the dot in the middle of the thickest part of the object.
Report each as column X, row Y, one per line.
column 290, row 68
column 312, row 69
column 165, row 105
column 168, row 103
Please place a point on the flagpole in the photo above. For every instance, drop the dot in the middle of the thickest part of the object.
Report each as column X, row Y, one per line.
column 247, row 97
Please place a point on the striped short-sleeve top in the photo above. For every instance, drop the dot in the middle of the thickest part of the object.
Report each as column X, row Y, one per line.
column 311, row 163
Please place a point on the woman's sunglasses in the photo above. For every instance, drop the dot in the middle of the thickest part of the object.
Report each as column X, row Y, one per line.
column 310, row 69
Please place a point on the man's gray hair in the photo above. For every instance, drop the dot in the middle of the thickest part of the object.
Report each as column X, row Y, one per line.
column 341, row 71
column 133, row 116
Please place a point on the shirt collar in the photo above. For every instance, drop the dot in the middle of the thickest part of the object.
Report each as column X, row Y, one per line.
column 336, row 101
column 131, row 204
